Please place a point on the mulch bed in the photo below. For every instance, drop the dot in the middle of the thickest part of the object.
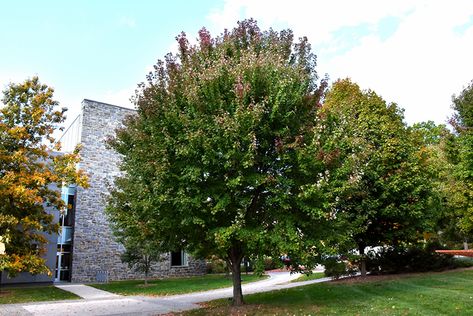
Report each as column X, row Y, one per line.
column 279, row 270
column 466, row 253
column 386, row 277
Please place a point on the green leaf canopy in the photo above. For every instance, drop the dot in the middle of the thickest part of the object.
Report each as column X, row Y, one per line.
column 219, row 159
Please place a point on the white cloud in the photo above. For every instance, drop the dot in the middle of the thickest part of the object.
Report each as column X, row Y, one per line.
column 315, row 18
column 419, row 66
column 118, row 97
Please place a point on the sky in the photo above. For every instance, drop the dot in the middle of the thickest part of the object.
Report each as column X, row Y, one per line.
column 412, row 52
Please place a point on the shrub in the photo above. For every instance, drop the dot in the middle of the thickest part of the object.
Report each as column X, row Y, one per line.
column 463, row 262
column 335, row 267
column 271, row 264
column 217, row 266
column 415, row 258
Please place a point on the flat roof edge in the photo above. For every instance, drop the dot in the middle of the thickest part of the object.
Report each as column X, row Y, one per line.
column 108, row 104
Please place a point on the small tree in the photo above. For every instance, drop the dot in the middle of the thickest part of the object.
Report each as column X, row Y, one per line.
column 221, row 150
column 130, row 227
column 141, row 255
column 31, row 173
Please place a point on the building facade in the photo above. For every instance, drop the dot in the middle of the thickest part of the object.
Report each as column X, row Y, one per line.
column 85, row 249
column 95, row 253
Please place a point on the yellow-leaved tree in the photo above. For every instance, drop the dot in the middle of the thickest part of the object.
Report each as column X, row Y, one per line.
column 31, row 174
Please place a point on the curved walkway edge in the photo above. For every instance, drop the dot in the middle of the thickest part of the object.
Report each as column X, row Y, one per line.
column 97, row 302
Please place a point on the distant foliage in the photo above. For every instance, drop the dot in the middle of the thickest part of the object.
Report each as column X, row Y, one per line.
column 462, row 121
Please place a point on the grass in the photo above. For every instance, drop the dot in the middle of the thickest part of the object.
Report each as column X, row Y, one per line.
column 11, row 295
column 446, row 293
column 174, row 285
column 312, row 276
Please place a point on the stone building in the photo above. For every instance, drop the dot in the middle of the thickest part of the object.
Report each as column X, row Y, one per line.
column 86, row 249
column 94, row 253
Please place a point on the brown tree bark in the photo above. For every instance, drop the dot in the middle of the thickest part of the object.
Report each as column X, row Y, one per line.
column 235, row 256
column 147, row 268
column 362, row 261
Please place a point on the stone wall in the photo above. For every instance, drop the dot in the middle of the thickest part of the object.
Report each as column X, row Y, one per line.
column 95, row 248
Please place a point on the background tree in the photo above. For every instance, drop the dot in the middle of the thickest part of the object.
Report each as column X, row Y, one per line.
column 131, row 229
column 140, row 255
column 382, row 185
column 30, row 174
column 441, row 147
column 220, row 150
column 461, row 154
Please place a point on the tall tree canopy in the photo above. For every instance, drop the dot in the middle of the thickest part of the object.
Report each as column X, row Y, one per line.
column 442, row 149
column 222, row 150
column 381, row 186
column 31, row 174
column 462, row 121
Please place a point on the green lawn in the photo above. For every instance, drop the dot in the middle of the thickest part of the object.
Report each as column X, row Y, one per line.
column 312, row 276
column 10, row 295
column 173, row 285
column 447, row 293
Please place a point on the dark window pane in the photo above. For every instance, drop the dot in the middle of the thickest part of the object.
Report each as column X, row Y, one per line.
column 176, row 258
column 66, row 248
column 69, row 219
column 65, row 275
column 65, row 261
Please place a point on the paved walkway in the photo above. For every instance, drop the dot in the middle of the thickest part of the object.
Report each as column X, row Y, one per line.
column 86, row 292
column 97, row 302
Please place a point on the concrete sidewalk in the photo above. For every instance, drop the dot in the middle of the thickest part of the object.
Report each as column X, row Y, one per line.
column 112, row 304
column 86, row 292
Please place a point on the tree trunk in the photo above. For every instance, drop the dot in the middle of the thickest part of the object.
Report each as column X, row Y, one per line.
column 362, row 261
column 147, row 268
column 235, row 257
column 228, row 268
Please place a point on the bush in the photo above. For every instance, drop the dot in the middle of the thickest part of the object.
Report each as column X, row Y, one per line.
column 335, row 267
column 463, row 262
column 217, row 266
column 271, row 264
column 419, row 258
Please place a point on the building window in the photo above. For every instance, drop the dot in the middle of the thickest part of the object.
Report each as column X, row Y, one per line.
column 65, row 236
column 178, row 258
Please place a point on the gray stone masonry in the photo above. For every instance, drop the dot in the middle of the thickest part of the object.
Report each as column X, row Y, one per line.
column 95, row 249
